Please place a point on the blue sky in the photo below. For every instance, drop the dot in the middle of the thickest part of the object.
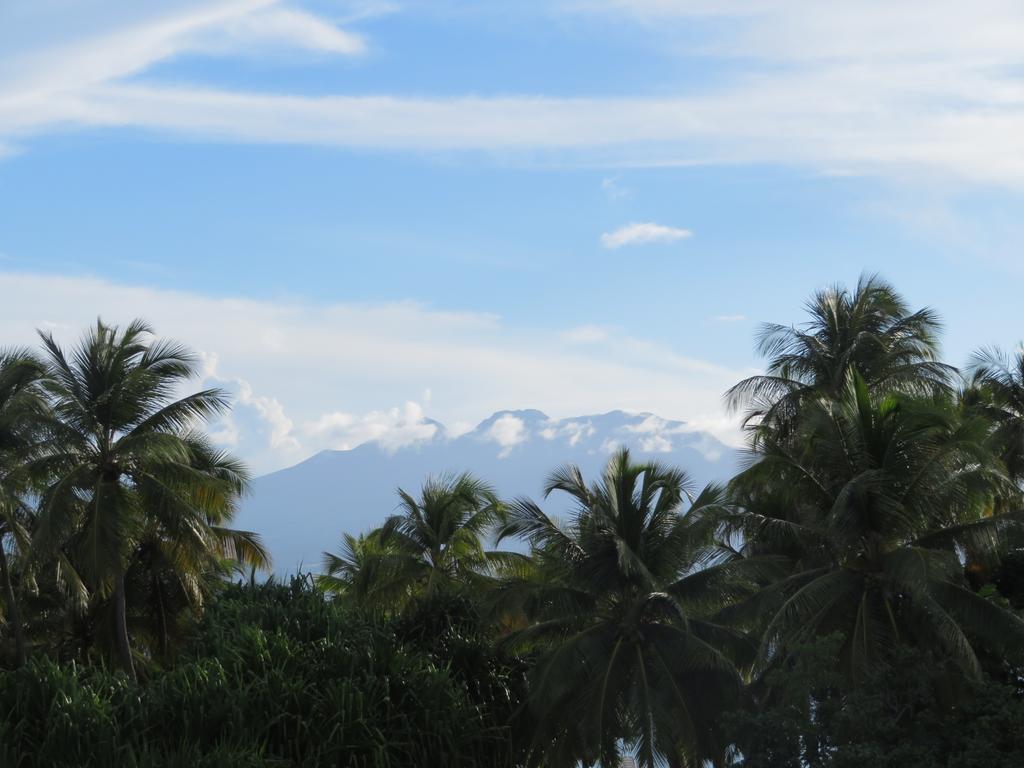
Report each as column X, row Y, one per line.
column 364, row 214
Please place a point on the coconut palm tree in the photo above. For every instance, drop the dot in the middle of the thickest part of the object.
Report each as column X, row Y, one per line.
column 998, row 381
column 367, row 571
column 877, row 499
column 870, row 330
column 129, row 465
column 620, row 600
column 23, row 413
column 171, row 576
column 432, row 544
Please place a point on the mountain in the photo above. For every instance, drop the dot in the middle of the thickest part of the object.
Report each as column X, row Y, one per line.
column 303, row 510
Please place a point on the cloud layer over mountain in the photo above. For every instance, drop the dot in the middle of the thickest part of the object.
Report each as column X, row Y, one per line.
column 302, row 511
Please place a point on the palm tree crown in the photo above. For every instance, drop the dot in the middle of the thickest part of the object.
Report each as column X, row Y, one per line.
column 130, row 465
column 24, row 414
column 870, row 331
column 878, row 498
column 999, row 379
column 621, row 598
column 433, row 543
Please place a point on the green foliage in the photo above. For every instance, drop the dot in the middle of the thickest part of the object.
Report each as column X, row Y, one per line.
column 433, row 545
column 884, row 495
column 276, row 675
column 23, row 415
column 1008, row 578
column 128, row 471
column 459, row 636
column 870, row 331
column 848, row 599
column 998, row 392
column 916, row 712
column 618, row 604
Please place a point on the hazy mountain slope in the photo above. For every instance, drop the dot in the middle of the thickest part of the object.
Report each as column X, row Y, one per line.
column 302, row 510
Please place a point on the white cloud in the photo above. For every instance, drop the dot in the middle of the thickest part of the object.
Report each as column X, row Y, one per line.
column 610, row 445
column 272, row 412
column 293, row 367
column 225, row 432
column 458, row 429
column 643, row 233
column 730, row 318
column 287, row 26
column 49, row 64
column 55, row 70
column 792, row 120
column 928, row 88
column 508, row 431
column 712, row 448
column 586, row 334
column 657, row 435
column 852, row 29
column 578, row 430
column 392, row 429
column 614, row 190
column 933, row 87
column 573, row 430
column 656, row 444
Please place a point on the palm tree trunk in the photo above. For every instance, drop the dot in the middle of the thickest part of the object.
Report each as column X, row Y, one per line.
column 124, row 648
column 13, row 611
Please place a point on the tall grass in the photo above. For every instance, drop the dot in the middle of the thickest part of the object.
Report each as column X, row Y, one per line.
column 274, row 676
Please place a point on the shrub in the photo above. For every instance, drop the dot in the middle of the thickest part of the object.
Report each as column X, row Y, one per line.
column 275, row 675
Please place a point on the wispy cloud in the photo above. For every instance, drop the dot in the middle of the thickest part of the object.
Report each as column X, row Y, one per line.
column 878, row 127
column 924, row 88
column 586, row 334
column 614, row 191
column 279, row 26
column 306, row 377
column 730, row 318
column 51, row 76
column 64, row 65
column 642, row 233
column 392, row 428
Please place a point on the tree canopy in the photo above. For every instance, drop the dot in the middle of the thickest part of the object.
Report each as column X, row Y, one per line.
column 852, row 596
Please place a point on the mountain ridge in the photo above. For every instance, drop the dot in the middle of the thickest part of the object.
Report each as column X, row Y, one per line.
column 303, row 509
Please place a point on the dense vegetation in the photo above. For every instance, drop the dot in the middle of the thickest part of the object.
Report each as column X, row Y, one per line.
column 851, row 597
column 277, row 675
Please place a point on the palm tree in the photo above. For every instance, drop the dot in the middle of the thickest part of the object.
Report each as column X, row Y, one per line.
column 432, row 544
column 129, row 465
column 172, row 575
column 878, row 499
column 23, row 412
column 998, row 381
column 870, row 331
column 620, row 601
column 368, row 571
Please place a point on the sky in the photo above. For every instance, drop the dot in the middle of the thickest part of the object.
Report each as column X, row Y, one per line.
column 367, row 216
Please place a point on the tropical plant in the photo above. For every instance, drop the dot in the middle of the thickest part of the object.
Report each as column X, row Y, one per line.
column 620, row 601
column 129, row 466
column 878, row 499
column 999, row 382
column 366, row 571
column 914, row 712
column 434, row 543
column 870, row 331
column 272, row 675
column 847, row 599
column 23, row 414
